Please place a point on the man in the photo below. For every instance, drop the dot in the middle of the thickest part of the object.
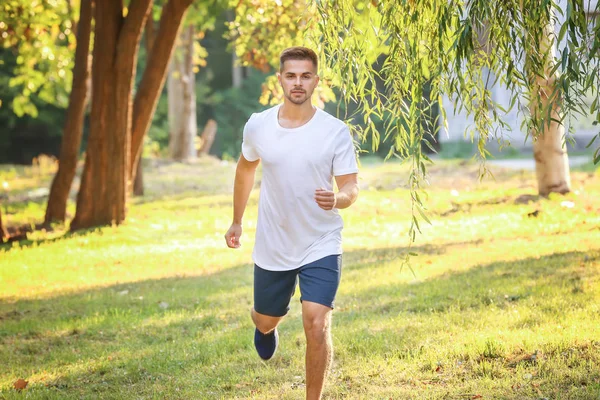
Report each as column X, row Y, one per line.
column 298, row 233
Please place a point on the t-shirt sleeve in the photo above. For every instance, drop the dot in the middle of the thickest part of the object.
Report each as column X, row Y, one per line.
column 248, row 148
column 344, row 159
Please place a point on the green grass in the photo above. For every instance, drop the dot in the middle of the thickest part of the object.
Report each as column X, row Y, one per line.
column 159, row 307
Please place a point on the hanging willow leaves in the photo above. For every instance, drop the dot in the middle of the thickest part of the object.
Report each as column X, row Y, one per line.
column 461, row 49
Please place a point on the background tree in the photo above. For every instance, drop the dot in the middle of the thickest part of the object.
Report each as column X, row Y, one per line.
column 2, row 232
column 104, row 184
column 181, row 84
column 189, row 56
column 36, row 58
column 103, row 193
column 41, row 36
column 154, row 75
column 437, row 41
column 149, row 35
column 71, row 140
column 261, row 29
column 545, row 99
column 436, row 44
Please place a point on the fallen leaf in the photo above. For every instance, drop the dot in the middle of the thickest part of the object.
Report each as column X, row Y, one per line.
column 20, row 384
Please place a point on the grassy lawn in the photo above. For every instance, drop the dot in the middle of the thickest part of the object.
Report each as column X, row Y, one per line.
column 504, row 301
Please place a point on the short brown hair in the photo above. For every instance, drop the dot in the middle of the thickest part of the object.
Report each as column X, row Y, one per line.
column 298, row 53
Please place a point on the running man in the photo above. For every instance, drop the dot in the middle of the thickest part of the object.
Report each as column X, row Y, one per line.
column 299, row 230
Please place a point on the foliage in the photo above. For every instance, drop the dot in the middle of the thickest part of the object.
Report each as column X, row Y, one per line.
column 159, row 306
column 263, row 28
column 231, row 108
column 203, row 16
column 40, row 33
column 25, row 137
column 460, row 49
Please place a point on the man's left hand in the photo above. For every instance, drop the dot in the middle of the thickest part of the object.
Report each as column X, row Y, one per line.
column 325, row 199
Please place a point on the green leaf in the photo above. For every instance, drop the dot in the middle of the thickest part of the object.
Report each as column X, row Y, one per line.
column 592, row 141
column 562, row 32
column 422, row 213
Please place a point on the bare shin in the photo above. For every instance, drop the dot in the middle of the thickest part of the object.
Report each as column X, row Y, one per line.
column 319, row 348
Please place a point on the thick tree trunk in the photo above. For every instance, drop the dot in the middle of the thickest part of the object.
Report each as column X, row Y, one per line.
column 549, row 147
column 71, row 141
column 103, row 193
column 182, row 99
column 154, row 75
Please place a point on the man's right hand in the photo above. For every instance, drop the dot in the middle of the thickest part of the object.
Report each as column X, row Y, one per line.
column 232, row 237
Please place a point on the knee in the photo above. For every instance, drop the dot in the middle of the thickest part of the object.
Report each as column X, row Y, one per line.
column 316, row 329
column 264, row 326
column 264, row 323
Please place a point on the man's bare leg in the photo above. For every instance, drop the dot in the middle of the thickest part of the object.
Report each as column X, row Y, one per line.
column 264, row 323
column 319, row 349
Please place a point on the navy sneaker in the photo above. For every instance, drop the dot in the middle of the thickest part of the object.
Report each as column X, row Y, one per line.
column 266, row 344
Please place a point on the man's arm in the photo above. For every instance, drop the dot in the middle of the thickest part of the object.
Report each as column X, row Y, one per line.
column 244, row 181
column 347, row 194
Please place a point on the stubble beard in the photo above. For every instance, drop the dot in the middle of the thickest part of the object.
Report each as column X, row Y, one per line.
column 298, row 101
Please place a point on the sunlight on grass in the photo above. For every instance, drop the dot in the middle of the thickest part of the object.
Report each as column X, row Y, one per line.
column 504, row 301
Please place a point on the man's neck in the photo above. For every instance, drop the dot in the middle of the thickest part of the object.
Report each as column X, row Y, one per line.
column 296, row 113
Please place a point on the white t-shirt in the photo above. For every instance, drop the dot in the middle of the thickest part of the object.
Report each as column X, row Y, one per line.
column 292, row 230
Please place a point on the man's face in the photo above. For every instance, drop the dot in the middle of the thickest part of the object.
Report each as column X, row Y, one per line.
column 298, row 80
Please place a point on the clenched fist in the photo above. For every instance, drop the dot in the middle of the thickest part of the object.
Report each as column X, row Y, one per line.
column 325, row 199
column 232, row 237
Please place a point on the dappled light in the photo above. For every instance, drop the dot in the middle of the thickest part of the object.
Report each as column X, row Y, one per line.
column 136, row 308
column 333, row 199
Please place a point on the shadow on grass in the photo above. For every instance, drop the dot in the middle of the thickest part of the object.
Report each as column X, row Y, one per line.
column 67, row 235
column 499, row 283
column 139, row 338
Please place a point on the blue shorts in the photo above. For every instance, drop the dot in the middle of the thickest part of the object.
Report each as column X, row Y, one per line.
column 319, row 282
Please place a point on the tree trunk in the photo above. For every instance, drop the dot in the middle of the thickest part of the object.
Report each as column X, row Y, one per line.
column 2, row 231
column 208, row 137
column 103, row 193
column 182, row 100
column 71, row 141
column 237, row 71
column 154, row 76
column 549, row 147
column 551, row 159
column 138, row 183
